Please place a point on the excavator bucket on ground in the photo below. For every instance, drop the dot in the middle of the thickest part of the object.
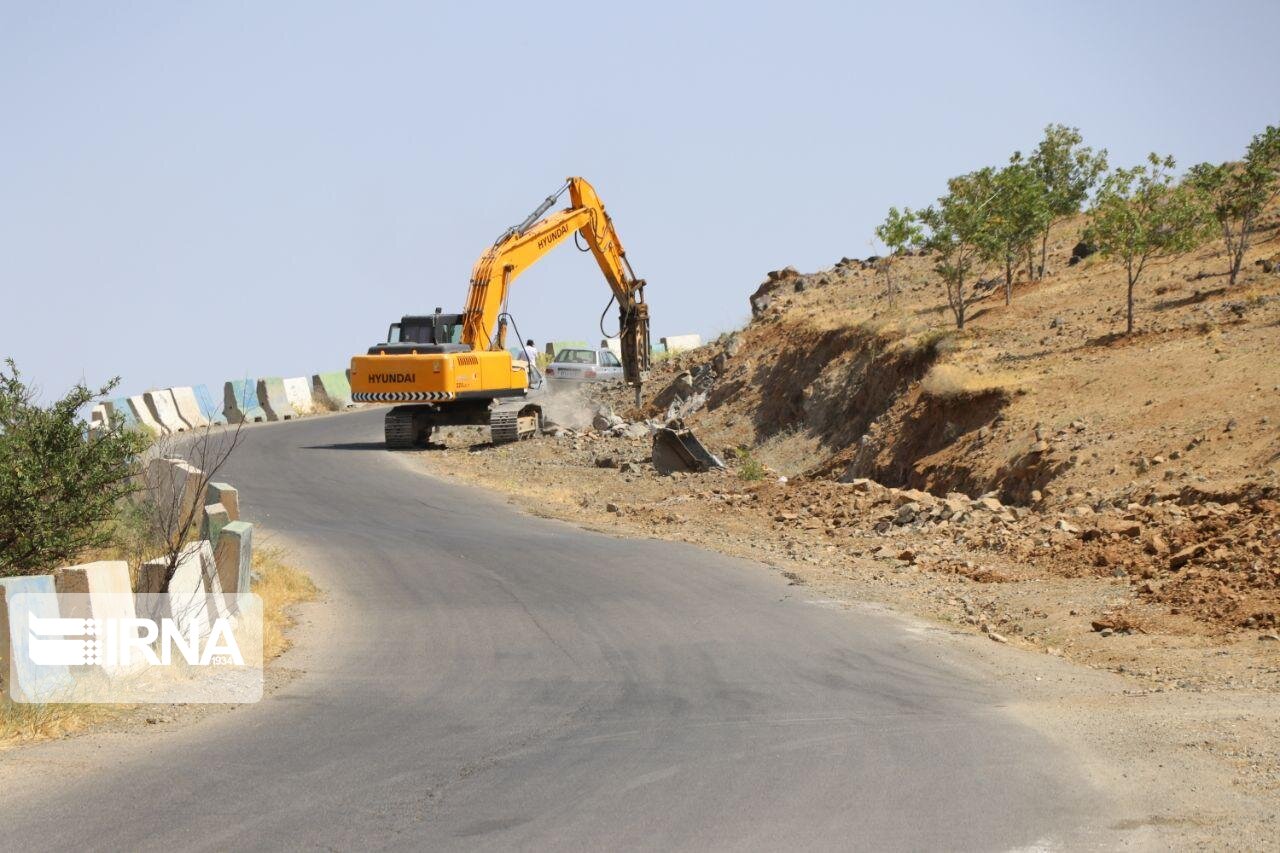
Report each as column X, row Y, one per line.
column 676, row 448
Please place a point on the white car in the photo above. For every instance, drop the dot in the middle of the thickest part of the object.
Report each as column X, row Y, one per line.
column 584, row 365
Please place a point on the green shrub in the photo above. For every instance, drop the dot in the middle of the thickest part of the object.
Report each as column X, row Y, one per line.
column 749, row 468
column 59, row 488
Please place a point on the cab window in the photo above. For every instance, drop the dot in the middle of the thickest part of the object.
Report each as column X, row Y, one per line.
column 608, row 359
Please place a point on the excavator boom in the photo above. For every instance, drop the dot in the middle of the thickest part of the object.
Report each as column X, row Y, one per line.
column 521, row 246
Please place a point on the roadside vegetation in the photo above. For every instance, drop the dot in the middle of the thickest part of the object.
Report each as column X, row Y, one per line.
column 61, row 495
column 281, row 585
column 68, row 496
column 998, row 219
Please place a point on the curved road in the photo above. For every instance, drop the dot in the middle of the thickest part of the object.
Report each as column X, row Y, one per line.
column 481, row 678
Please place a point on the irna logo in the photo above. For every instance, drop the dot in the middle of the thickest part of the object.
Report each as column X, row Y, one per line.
column 123, row 642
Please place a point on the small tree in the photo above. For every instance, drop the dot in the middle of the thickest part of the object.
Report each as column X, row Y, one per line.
column 1142, row 213
column 170, row 512
column 1236, row 193
column 1018, row 214
column 1067, row 170
column 958, row 235
column 59, row 487
column 899, row 232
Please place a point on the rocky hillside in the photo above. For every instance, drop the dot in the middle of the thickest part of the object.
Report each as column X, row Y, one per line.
column 1042, row 399
column 1155, row 455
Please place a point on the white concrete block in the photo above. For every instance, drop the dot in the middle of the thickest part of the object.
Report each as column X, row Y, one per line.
column 100, row 590
column 142, row 414
column 195, row 594
column 298, row 392
column 163, row 409
column 680, row 343
column 189, row 407
column 99, row 419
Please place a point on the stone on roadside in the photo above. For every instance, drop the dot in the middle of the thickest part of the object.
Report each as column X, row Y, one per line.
column 913, row 496
column 907, row 513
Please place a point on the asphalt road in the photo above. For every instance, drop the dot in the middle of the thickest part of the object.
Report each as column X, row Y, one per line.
column 482, row 679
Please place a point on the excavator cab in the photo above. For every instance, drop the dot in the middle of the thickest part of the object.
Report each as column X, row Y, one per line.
column 423, row 333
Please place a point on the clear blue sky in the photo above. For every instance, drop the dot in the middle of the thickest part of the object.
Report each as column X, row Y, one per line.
column 191, row 192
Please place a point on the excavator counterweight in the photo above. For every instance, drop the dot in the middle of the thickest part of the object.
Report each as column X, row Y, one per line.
column 454, row 369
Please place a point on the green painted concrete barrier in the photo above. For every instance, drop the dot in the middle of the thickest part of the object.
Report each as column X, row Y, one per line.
column 332, row 390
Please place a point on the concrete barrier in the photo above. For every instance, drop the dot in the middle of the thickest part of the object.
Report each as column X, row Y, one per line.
column 213, row 518
column 24, row 680
column 211, row 410
column 240, row 402
column 194, row 594
column 272, row 398
column 234, row 558
column 222, row 493
column 99, row 590
column 332, row 390
column 97, row 579
column 118, row 411
column 298, row 391
column 184, row 398
column 165, row 410
column 99, row 420
column 142, row 414
column 175, row 487
column 212, row 582
column 681, row 343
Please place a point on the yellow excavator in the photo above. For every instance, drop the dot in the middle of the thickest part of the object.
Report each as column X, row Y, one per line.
column 454, row 369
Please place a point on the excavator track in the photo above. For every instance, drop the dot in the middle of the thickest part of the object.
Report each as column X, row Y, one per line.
column 397, row 428
column 508, row 425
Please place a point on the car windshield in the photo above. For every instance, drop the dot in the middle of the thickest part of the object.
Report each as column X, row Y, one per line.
column 576, row 356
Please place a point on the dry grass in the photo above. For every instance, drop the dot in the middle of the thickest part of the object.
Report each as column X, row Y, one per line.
column 790, row 452
column 950, row 380
column 280, row 585
column 22, row 723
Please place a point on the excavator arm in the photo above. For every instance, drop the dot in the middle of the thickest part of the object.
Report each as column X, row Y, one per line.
column 521, row 246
